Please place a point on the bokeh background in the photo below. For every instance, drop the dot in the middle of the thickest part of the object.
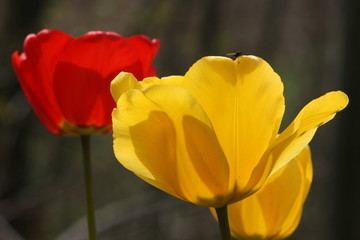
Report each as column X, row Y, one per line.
column 313, row 45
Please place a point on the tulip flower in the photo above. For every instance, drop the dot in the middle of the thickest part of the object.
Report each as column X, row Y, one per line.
column 211, row 137
column 67, row 79
column 274, row 212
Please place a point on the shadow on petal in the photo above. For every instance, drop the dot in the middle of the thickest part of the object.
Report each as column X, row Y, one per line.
column 207, row 158
column 154, row 141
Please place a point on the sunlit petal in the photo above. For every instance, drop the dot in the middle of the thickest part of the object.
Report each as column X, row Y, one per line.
column 300, row 132
column 35, row 68
column 171, row 80
column 148, row 49
column 163, row 135
column 244, row 101
column 122, row 83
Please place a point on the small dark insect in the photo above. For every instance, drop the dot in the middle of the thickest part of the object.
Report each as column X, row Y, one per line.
column 234, row 55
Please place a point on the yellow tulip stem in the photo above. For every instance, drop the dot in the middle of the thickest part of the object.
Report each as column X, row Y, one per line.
column 222, row 216
column 85, row 143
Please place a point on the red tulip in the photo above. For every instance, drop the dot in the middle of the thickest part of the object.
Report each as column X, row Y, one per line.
column 67, row 80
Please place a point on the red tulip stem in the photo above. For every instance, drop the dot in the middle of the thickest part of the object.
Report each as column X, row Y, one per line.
column 222, row 216
column 85, row 143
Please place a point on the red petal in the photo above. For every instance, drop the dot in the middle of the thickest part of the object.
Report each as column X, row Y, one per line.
column 77, row 90
column 147, row 51
column 85, row 70
column 69, row 79
column 103, row 52
column 34, row 69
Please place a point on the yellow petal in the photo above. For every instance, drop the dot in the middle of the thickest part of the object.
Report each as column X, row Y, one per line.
column 304, row 164
column 244, row 102
column 123, row 82
column 171, row 80
column 275, row 210
column 277, row 197
column 300, row 132
column 163, row 135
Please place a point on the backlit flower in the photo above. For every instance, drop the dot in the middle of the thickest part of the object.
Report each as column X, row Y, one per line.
column 67, row 79
column 211, row 137
column 274, row 212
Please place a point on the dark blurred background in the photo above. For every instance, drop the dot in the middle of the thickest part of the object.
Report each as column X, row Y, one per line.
column 313, row 45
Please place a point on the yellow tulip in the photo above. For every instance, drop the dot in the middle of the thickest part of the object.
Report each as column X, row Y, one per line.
column 273, row 212
column 211, row 137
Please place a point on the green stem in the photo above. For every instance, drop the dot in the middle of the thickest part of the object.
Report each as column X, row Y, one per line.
column 85, row 143
column 222, row 215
